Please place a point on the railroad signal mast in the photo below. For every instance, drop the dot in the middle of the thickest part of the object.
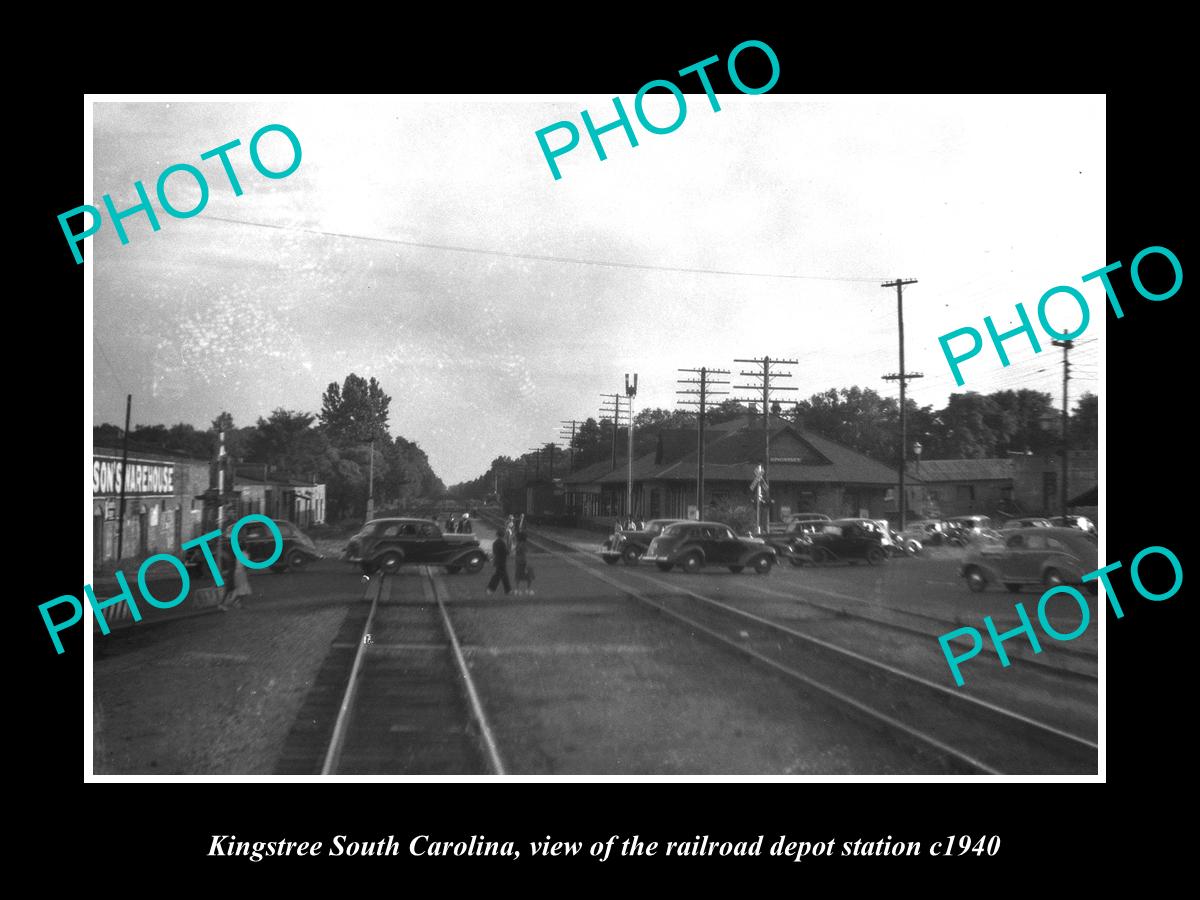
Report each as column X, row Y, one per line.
column 765, row 375
column 701, row 393
column 903, row 377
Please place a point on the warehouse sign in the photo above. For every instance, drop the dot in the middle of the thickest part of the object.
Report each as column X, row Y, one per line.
column 142, row 477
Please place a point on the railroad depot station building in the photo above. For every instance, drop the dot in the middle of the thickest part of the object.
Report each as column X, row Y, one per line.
column 170, row 499
column 809, row 472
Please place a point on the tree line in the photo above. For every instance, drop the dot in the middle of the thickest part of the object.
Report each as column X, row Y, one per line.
column 970, row 426
column 333, row 447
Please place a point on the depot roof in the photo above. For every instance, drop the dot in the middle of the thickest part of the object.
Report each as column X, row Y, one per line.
column 732, row 451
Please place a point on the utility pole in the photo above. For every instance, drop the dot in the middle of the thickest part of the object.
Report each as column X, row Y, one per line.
column 220, row 495
column 124, row 464
column 902, row 376
column 766, row 374
column 630, row 392
column 1068, row 346
column 371, row 485
column 705, row 382
column 569, row 438
column 614, row 411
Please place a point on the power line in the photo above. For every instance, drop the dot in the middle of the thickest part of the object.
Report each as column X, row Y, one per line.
column 111, row 367
column 535, row 256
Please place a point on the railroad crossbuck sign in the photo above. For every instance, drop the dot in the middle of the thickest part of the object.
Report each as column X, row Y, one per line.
column 759, row 484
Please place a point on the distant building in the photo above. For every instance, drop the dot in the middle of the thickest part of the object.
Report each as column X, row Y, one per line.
column 807, row 472
column 1018, row 485
column 171, row 499
column 163, row 503
column 302, row 503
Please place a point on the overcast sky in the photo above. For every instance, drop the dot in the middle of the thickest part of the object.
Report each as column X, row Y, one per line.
column 987, row 201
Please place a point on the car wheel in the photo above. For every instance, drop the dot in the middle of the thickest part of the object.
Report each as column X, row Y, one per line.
column 736, row 569
column 820, row 555
column 631, row 556
column 1052, row 578
column 692, row 563
column 390, row 562
column 296, row 560
column 875, row 556
column 762, row 565
column 611, row 560
column 664, row 567
column 976, row 580
column 796, row 561
column 1012, row 586
column 475, row 563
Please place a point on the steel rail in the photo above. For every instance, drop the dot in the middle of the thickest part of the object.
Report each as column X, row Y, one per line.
column 485, row 731
column 338, row 738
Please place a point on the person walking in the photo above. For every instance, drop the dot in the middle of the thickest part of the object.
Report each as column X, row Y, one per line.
column 500, row 561
column 524, row 572
column 237, row 582
column 510, row 529
column 464, row 524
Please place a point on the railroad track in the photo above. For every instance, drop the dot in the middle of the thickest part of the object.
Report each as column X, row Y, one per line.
column 395, row 695
column 976, row 736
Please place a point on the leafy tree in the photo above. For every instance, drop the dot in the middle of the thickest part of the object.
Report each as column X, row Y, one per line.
column 1026, row 414
column 356, row 412
column 858, row 417
column 1085, row 422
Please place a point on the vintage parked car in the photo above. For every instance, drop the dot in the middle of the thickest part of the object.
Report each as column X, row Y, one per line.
column 1083, row 523
column 808, row 517
column 792, row 542
column 387, row 544
column 693, row 545
column 850, row 540
column 930, row 532
column 1040, row 555
column 1027, row 522
column 630, row 545
column 904, row 544
column 258, row 544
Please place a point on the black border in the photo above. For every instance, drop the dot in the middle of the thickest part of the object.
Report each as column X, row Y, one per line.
column 1148, row 505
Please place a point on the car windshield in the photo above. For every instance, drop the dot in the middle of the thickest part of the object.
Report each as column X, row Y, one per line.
column 672, row 531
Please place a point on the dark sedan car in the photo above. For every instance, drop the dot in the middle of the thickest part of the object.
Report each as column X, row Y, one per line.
column 1042, row 555
column 693, row 545
column 387, row 544
column 850, row 540
column 258, row 544
column 795, row 543
column 631, row 545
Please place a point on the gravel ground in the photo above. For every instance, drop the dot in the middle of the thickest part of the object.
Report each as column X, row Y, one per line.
column 216, row 694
